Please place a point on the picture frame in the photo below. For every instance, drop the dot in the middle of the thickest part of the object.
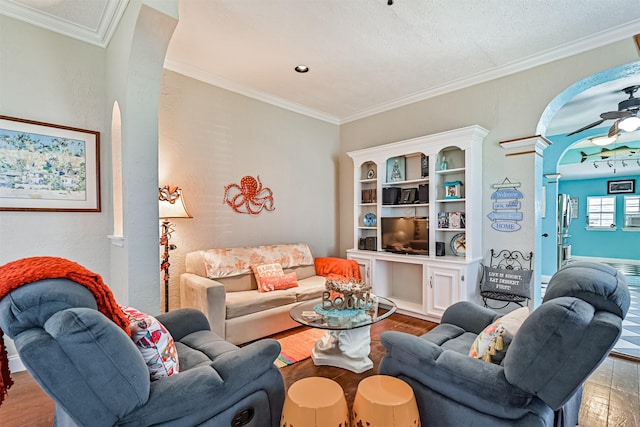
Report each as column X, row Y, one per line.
column 396, row 169
column 48, row 167
column 621, row 186
column 408, row 196
column 424, row 165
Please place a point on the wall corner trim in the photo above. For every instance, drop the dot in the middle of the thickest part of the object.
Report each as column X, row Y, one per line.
column 527, row 145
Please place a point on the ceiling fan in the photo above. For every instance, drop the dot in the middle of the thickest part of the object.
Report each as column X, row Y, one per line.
column 626, row 118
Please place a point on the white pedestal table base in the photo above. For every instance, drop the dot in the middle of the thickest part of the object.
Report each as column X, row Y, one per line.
column 346, row 349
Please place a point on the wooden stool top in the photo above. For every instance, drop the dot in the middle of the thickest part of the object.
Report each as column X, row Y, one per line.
column 385, row 390
column 315, row 392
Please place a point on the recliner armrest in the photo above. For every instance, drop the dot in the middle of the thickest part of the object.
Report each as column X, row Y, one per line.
column 255, row 357
column 209, row 389
column 469, row 316
column 472, row 382
column 183, row 322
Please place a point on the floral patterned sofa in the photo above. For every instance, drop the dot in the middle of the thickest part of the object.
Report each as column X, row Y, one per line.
column 222, row 284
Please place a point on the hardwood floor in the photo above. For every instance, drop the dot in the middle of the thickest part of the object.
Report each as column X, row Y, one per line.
column 611, row 395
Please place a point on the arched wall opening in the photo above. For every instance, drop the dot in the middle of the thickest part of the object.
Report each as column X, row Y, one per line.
column 553, row 154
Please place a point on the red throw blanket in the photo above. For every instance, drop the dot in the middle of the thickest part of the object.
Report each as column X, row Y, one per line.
column 29, row 270
column 338, row 268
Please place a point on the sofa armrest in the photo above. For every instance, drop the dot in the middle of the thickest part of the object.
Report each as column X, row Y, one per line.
column 183, row 322
column 469, row 316
column 207, row 296
column 460, row 378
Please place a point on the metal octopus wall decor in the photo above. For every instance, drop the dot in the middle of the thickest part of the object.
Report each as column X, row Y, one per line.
column 250, row 197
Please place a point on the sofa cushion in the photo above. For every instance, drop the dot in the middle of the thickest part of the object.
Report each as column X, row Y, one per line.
column 247, row 302
column 302, row 271
column 201, row 347
column 310, row 288
column 460, row 344
column 443, row 333
column 227, row 262
column 451, row 337
column 154, row 342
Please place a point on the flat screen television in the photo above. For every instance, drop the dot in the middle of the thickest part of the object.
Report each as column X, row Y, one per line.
column 405, row 235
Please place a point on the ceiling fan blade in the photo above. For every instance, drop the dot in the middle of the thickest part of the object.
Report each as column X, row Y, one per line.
column 589, row 126
column 612, row 115
column 614, row 129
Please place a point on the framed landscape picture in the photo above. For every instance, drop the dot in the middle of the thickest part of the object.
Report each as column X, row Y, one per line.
column 47, row 167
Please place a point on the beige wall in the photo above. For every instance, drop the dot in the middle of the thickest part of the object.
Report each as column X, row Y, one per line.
column 210, row 137
column 508, row 107
column 54, row 79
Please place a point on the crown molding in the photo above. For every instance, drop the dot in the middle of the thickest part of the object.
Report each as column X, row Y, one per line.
column 593, row 41
column 100, row 36
column 569, row 49
column 232, row 86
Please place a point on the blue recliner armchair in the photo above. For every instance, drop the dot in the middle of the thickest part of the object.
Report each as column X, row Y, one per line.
column 97, row 377
column 539, row 381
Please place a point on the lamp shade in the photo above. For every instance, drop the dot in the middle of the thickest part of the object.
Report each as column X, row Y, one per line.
column 171, row 203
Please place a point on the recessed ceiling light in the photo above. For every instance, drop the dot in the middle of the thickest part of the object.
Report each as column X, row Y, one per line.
column 302, row 69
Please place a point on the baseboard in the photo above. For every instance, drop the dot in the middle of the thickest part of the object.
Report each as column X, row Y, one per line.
column 15, row 364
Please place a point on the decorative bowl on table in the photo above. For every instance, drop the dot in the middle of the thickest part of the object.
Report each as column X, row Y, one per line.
column 345, row 294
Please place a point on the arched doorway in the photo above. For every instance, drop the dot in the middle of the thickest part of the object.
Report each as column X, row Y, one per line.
column 615, row 80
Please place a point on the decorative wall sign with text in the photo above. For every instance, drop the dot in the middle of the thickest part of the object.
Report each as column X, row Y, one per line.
column 506, row 214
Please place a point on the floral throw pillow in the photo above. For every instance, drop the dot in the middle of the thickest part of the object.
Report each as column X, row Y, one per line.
column 155, row 343
column 271, row 277
column 492, row 343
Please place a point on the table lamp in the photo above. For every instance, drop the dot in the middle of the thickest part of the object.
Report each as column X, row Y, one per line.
column 171, row 205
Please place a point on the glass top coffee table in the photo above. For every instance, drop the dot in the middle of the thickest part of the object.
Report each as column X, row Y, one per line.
column 347, row 342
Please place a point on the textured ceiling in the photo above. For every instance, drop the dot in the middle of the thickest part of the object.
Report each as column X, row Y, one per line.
column 364, row 55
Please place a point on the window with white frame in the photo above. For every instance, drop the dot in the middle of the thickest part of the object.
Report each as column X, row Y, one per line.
column 601, row 213
column 632, row 212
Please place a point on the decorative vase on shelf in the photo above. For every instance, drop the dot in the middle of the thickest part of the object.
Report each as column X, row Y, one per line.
column 444, row 165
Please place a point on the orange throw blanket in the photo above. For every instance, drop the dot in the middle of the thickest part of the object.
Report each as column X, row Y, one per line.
column 338, row 268
column 29, row 270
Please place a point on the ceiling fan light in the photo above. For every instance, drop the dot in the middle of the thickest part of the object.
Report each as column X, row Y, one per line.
column 629, row 124
column 602, row 140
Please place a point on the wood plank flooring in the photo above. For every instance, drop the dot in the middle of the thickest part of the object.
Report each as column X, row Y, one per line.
column 611, row 395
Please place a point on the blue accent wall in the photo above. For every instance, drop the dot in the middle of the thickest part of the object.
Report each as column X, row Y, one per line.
column 605, row 244
column 552, row 154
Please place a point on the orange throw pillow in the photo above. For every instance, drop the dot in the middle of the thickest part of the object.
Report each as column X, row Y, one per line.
column 271, row 277
column 275, row 283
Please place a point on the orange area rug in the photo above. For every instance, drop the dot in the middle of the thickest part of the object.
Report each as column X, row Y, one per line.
column 297, row 347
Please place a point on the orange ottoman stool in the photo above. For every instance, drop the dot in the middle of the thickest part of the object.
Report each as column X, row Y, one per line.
column 384, row 401
column 315, row 402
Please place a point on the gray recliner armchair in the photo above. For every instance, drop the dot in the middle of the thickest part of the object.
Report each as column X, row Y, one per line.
column 539, row 381
column 97, row 377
